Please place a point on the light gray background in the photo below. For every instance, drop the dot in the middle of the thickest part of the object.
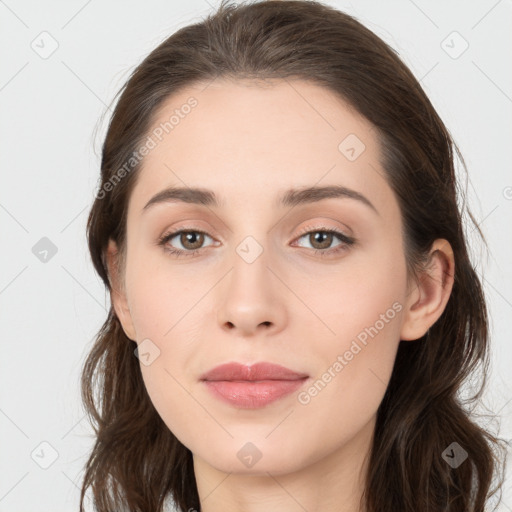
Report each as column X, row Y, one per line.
column 50, row 111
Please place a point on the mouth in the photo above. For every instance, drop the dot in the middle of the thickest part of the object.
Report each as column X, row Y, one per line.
column 251, row 387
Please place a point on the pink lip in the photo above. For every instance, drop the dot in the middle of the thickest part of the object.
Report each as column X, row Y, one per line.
column 250, row 387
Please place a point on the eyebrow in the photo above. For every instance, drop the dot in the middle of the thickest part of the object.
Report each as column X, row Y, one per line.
column 290, row 198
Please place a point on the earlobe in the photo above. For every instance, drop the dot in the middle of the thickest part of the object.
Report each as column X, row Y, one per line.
column 118, row 291
column 429, row 297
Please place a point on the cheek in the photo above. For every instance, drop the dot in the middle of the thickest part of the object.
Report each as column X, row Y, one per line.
column 354, row 372
column 170, row 321
column 159, row 297
column 363, row 308
column 352, row 296
column 165, row 313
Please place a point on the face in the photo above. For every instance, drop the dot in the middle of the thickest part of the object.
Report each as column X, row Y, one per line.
column 316, row 284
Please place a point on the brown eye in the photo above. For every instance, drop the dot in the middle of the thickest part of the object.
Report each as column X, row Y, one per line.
column 320, row 239
column 191, row 240
column 188, row 242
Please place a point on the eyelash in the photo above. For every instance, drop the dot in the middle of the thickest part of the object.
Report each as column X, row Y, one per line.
column 346, row 241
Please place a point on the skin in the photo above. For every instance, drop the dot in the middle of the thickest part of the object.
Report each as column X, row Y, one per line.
column 248, row 142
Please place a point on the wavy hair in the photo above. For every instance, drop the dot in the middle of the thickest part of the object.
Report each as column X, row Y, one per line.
column 136, row 462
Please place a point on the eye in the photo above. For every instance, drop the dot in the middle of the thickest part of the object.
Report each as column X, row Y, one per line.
column 191, row 241
column 321, row 239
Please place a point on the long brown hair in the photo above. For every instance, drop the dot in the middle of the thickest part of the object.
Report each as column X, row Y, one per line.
column 136, row 462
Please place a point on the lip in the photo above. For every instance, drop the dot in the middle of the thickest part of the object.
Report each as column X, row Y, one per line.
column 251, row 387
column 258, row 371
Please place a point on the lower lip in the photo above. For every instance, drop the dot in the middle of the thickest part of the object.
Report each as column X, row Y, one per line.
column 255, row 394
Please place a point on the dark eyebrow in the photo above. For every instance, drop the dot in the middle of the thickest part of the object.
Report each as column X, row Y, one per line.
column 305, row 195
column 291, row 197
column 185, row 195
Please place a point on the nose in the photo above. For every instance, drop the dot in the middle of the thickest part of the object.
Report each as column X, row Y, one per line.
column 250, row 300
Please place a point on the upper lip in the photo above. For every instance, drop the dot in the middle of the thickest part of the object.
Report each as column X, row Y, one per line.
column 258, row 371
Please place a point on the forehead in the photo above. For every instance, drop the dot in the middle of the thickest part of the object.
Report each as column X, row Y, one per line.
column 242, row 138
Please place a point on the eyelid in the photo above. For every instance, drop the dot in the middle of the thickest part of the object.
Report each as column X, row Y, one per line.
column 332, row 225
column 175, row 230
column 322, row 227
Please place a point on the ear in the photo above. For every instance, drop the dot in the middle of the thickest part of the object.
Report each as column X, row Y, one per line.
column 428, row 297
column 118, row 291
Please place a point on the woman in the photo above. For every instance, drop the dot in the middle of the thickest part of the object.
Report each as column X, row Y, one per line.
column 293, row 306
